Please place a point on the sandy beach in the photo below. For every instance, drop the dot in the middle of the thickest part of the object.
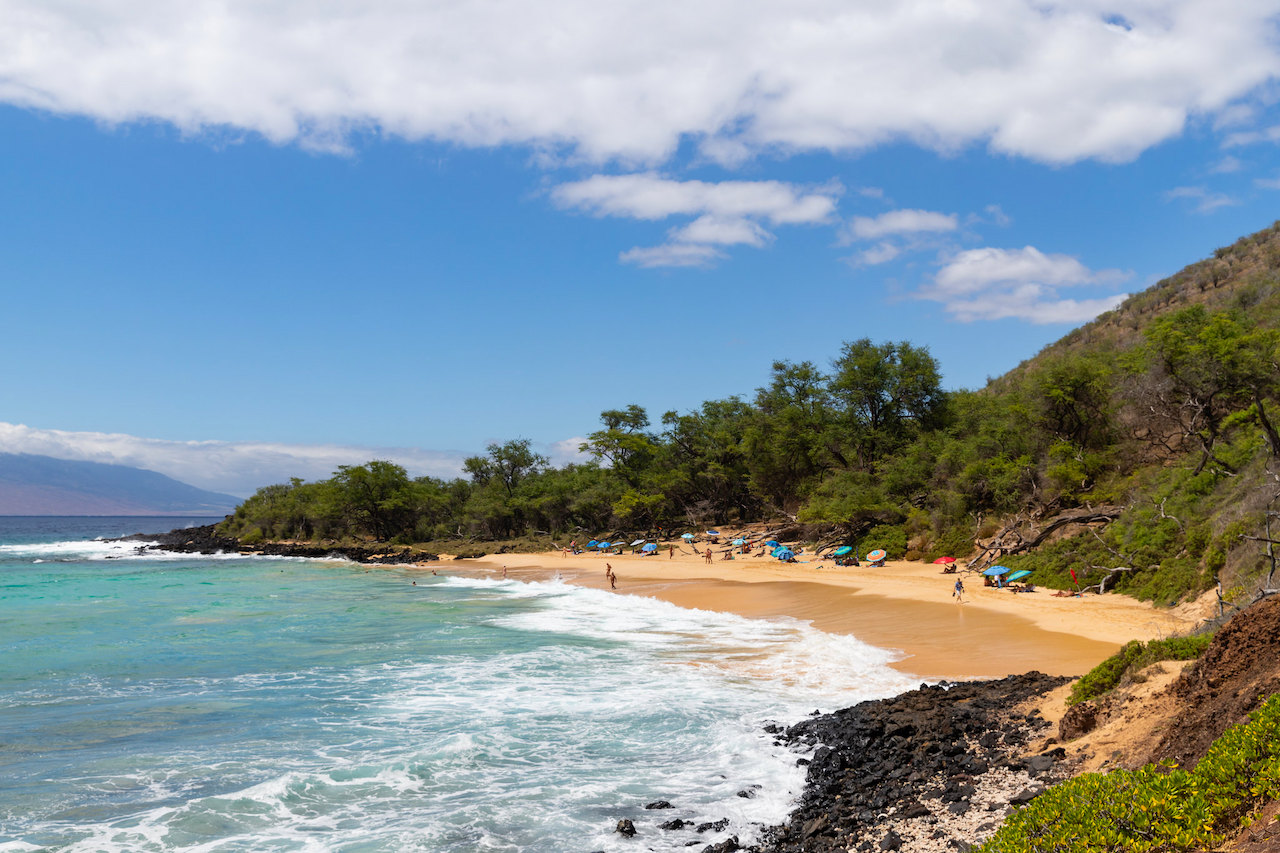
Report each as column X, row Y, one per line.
column 904, row 606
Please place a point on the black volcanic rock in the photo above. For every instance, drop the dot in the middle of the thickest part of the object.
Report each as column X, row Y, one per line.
column 206, row 540
column 887, row 757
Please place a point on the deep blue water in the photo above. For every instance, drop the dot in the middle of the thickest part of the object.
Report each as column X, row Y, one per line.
column 169, row 702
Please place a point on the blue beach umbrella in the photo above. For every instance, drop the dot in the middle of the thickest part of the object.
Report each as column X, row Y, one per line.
column 603, row 545
column 737, row 542
column 784, row 553
column 713, row 532
column 592, row 543
column 996, row 572
column 1019, row 575
column 843, row 549
column 649, row 547
column 686, row 535
column 772, row 543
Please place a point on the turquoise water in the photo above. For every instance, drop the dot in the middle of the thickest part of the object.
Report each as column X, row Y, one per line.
column 179, row 703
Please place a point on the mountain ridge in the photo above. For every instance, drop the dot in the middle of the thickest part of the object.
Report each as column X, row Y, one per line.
column 44, row 485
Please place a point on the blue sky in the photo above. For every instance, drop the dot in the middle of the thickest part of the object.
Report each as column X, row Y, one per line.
column 242, row 242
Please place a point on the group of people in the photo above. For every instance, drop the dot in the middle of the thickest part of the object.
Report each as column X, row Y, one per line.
column 610, row 576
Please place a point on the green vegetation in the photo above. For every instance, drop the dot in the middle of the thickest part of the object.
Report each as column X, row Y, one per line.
column 1155, row 808
column 1135, row 656
column 1163, row 409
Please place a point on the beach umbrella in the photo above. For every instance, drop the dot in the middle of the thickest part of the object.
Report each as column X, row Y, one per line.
column 603, row 545
column 784, row 553
column 1019, row 575
column 877, row 555
column 686, row 535
column 944, row 561
column 637, row 542
column 737, row 542
column 772, row 543
column 843, row 549
column 995, row 571
column 713, row 532
column 649, row 547
column 592, row 543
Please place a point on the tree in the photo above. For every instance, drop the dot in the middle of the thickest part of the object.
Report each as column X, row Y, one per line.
column 882, row 394
column 786, row 443
column 623, row 443
column 1202, row 367
column 375, row 497
column 507, row 464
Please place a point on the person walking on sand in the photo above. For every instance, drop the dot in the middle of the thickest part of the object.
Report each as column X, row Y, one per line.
column 708, row 555
column 672, row 555
column 613, row 581
column 958, row 591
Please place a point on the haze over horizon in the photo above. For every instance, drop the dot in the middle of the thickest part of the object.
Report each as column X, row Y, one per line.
column 245, row 243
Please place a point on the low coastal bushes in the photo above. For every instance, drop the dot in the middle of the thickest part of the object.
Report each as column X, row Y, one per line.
column 1133, row 657
column 1156, row 808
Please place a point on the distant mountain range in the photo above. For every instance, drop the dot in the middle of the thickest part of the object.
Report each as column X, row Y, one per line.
column 42, row 485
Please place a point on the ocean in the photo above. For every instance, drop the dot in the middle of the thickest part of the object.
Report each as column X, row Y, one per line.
column 153, row 702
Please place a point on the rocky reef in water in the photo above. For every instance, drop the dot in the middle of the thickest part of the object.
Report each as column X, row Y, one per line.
column 207, row 540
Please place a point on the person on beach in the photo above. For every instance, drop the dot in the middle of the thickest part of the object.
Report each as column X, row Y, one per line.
column 708, row 555
column 608, row 570
column 958, row 592
column 672, row 555
column 504, row 572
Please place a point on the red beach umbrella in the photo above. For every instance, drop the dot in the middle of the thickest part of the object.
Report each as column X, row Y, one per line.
column 944, row 561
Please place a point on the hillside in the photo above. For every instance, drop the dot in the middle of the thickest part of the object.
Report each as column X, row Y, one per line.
column 42, row 485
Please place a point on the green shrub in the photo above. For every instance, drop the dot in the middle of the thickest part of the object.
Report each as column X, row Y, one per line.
column 1155, row 808
column 1134, row 656
column 1105, row 675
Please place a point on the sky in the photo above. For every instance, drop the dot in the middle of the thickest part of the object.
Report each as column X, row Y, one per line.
column 244, row 241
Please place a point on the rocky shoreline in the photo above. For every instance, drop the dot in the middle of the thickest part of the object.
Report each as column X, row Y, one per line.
column 206, row 540
column 934, row 769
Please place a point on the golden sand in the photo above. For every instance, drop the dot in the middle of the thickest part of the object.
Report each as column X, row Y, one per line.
column 903, row 606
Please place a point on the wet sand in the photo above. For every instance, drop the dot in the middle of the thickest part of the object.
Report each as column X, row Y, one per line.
column 906, row 607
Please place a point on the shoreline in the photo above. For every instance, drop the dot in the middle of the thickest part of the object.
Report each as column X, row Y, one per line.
column 904, row 606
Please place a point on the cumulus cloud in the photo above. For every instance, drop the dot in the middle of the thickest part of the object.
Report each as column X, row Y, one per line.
column 881, row 253
column 1205, row 201
column 650, row 196
column 901, row 222
column 631, row 80
column 996, row 284
column 727, row 213
column 238, row 468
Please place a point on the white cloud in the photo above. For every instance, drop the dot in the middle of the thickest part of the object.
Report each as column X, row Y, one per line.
column 995, row 284
column 238, row 468
column 649, row 196
column 1051, row 80
column 722, row 231
column 673, row 255
column 727, row 213
column 881, row 253
column 1252, row 137
column 567, row 452
column 901, row 222
column 1205, row 200
column 1226, row 166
